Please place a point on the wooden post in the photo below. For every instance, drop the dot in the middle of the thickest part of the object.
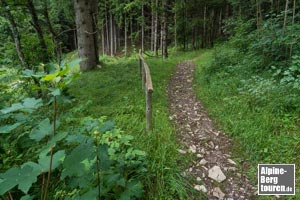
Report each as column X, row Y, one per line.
column 147, row 86
column 148, row 110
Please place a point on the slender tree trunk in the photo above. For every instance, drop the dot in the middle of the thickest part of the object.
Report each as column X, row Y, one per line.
column 37, row 27
column 152, row 25
column 115, row 36
column 220, row 24
column 212, row 28
column 94, row 14
column 111, row 34
column 185, row 25
column 143, row 24
column 85, row 34
column 103, row 38
column 155, row 29
column 15, row 32
column 107, row 30
column 164, row 30
column 257, row 14
column 293, row 22
column 204, row 28
column 131, row 32
column 175, row 25
column 285, row 13
column 56, row 42
column 125, row 35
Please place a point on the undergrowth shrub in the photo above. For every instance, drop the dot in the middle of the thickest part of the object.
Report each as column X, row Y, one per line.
column 43, row 157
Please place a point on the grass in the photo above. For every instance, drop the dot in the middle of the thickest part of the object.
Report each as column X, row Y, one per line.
column 115, row 91
column 250, row 110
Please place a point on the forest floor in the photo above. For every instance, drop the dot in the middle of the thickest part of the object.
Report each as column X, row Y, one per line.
column 213, row 170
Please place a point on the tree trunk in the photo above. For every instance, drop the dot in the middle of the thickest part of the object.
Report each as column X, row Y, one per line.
column 204, row 29
column 15, row 32
column 152, row 25
column 111, row 34
column 115, row 38
column 155, row 29
column 53, row 33
column 143, row 26
column 220, row 24
column 94, row 14
column 37, row 27
column 285, row 13
column 293, row 22
column 85, row 35
column 107, row 30
column 131, row 32
column 125, row 35
column 212, row 28
column 103, row 38
column 164, row 30
column 175, row 26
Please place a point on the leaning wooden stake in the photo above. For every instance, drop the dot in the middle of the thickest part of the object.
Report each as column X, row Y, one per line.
column 147, row 86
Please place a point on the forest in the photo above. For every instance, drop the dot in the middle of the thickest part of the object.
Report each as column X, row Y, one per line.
column 74, row 117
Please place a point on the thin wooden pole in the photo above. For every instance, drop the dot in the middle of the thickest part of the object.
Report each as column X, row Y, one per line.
column 148, row 110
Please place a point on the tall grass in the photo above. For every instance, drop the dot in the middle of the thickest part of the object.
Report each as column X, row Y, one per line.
column 115, row 91
column 251, row 108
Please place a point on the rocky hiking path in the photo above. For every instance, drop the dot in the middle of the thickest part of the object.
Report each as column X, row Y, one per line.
column 214, row 171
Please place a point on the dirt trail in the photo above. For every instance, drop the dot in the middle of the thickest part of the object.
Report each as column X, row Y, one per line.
column 215, row 173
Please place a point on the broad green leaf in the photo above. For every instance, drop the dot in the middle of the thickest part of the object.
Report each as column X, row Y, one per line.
column 105, row 162
column 9, row 128
column 28, row 176
column 9, row 180
column 73, row 165
column 90, row 195
column 32, row 103
column 133, row 189
column 74, row 63
column 14, row 107
column 56, row 92
column 107, row 126
column 29, row 104
column 57, row 138
column 26, row 197
column 44, row 160
column 50, row 77
column 42, row 130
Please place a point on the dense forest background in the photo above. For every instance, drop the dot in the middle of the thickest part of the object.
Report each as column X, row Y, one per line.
column 54, row 145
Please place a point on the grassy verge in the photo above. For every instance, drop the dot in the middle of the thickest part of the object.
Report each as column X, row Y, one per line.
column 115, row 91
column 250, row 108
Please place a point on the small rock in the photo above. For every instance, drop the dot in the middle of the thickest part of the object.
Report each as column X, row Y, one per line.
column 181, row 151
column 203, row 162
column 217, row 147
column 231, row 161
column 191, row 169
column 193, row 149
column 199, row 155
column 201, row 188
column 217, row 192
column 232, row 169
column 217, row 133
column 216, row 174
column 211, row 145
column 199, row 179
